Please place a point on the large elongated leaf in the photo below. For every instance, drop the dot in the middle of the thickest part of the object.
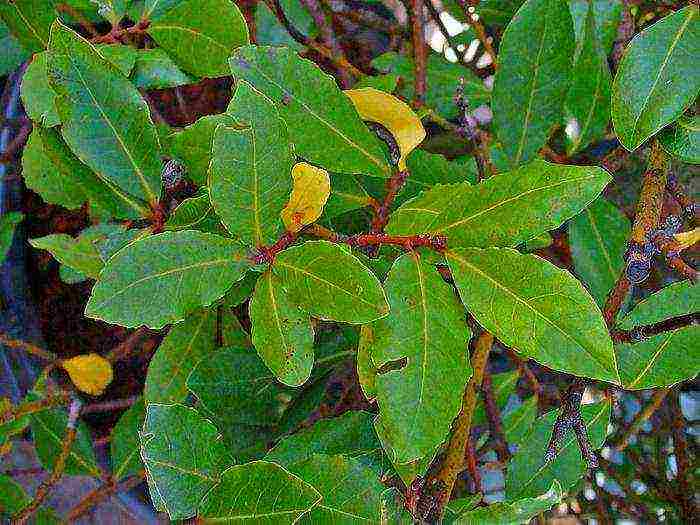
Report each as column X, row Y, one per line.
column 504, row 210
column 534, row 68
column 250, row 175
column 682, row 140
column 120, row 143
column 258, row 492
column 598, row 238
column 281, row 332
column 200, row 34
column 160, row 279
column 323, row 124
column 657, row 78
column 183, row 456
column 328, row 282
column 418, row 402
column 124, row 444
column 29, row 21
column 537, row 308
column 667, row 358
column 607, row 15
column 528, row 474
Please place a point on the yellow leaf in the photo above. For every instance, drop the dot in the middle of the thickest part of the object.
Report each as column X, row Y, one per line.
column 90, row 373
column 395, row 115
column 310, row 191
column 687, row 239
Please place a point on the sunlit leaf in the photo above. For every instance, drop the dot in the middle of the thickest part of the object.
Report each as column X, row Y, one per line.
column 90, row 373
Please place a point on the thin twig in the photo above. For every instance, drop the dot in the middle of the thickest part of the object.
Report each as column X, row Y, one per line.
column 28, row 347
column 493, row 415
column 103, row 492
column 328, row 36
column 639, row 333
column 393, row 187
column 108, row 406
column 469, row 9
column 126, row 347
column 642, row 416
column 420, row 52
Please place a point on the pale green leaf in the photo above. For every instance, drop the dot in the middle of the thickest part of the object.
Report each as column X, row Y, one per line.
column 79, row 253
column 29, row 21
column 37, row 96
column 518, row 421
column 154, row 69
column 682, row 139
column 124, row 442
column 192, row 213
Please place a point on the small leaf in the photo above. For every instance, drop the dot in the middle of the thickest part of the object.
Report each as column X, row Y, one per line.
column 192, row 213
column 657, row 77
column 366, row 371
column 125, row 446
column 81, row 254
column 281, row 332
column 503, row 385
column 199, row 34
column 154, row 69
column 682, row 139
column 502, row 211
column 258, row 492
column 160, row 279
column 90, row 373
column 687, row 239
column 598, row 240
column 269, row 31
column 517, row 422
column 310, row 191
column 537, row 308
column 668, row 358
column 419, row 400
column 532, row 78
column 29, row 22
column 183, row 455
column 328, row 282
column 8, row 224
column 396, row 116
column 37, row 96
column 323, row 124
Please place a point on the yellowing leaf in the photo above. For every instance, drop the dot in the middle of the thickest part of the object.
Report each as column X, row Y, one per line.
column 310, row 191
column 396, row 116
column 687, row 239
column 90, row 373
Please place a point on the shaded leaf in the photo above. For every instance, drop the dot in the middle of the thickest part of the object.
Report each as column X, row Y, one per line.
column 29, row 21
column 657, row 78
column 90, row 373
column 8, row 224
column 176, row 272
column 502, row 211
column 37, row 96
column 430, row 169
column 682, row 139
column 366, row 370
column 347, row 194
column 13, row 499
column 607, row 16
column 534, row 68
column 668, row 358
column 518, row 421
column 310, row 191
column 323, row 124
column 80, row 253
column 125, row 446
column 13, row 53
column 192, row 213
column 269, row 31
column 503, row 386
column 540, row 310
column 154, row 69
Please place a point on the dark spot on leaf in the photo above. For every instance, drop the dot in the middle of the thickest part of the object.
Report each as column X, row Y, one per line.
column 286, row 99
column 390, row 366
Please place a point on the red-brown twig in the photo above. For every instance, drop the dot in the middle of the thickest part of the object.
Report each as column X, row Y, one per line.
column 493, row 415
column 474, row 20
column 129, row 345
column 393, row 187
column 28, row 347
column 108, row 406
column 639, row 333
column 103, row 492
column 642, row 416
column 420, row 52
column 409, row 242
column 116, row 35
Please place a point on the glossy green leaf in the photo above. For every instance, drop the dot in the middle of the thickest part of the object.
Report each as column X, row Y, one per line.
column 250, row 174
column 538, row 309
column 517, row 422
column 199, row 34
column 8, row 224
column 29, row 22
column 419, row 400
column 258, row 492
column 183, row 348
column 587, row 104
column 528, row 474
column 328, row 282
column 502, row 211
column 281, row 332
column 657, row 78
column 120, row 144
column 50, row 169
column 607, row 16
column 125, row 446
column 682, row 139
column 154, row 69
column 162, row 278
column 78, row 253
column 241, row 290
column 121, row 56
column 323, row 124
column 37, row 96
column 192, row 213
column 183, row 455
column 503, row 386
column 429, row 169
column 515, row 513
column 598, row 240
column 534, row 68
column 665, row 359
column 347, row 194
column 13, row 54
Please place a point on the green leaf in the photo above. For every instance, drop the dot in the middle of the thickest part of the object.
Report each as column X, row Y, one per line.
column 178, row 355
column 366, row 370
column 682, row 140
column 347, row 194
column 183, row 453
column 520, row 511
column 534, row 68
column 162, row 278
column 587, row 104
column 78, row 253
column 250, row 174
column 426, row 327
column 13, row 54
column 536, row 308
column 528, row 474
column 199, row 34
column 328, row 282
column 125, row 446
column 323, row 123
column 607, row 16
column 503, row 385
column 598, row 239
column 429, row 169
column 13, row 499
column 665, row 359
column 269, row 31
column 37, row 96
column 657, row 78
column 502, row 211
column 351, row 492
column 154, row 69
column 281, row 332
column 443, row 78
column 29, row 22
column 258, row 492
column 120, row 56
column 517, row 422
column 192, row 213
column 8, row 224
column 50, row 169
column 120, row 144
column 241, row 290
